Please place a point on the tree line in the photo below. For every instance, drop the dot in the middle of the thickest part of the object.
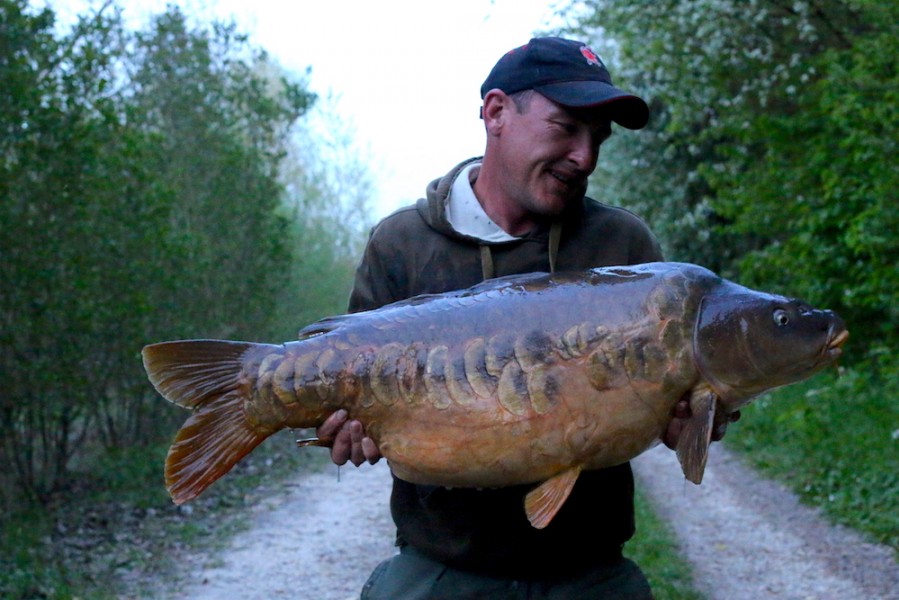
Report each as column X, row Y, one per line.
column 152, row 187
column 161, row 184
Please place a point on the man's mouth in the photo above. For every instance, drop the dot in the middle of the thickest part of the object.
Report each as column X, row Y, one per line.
column 568, row 179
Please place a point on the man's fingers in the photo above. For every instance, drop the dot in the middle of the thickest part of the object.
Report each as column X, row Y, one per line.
column 347, row 440
column 370, row 450
column 332, row 425
column 356, row 455
column 718, row 432
column 672, row 433
column 341, row 448
column 721, row 425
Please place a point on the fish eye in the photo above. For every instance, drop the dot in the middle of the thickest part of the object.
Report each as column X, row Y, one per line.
column 781, row 317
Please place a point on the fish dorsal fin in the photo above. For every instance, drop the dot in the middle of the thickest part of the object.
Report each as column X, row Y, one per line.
column 321, row 327
column 543, row 502
column 696, row 436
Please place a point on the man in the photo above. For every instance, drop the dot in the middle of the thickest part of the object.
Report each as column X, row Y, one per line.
column 547, row 108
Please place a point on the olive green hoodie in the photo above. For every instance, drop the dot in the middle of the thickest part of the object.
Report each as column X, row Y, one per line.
column 415, row 251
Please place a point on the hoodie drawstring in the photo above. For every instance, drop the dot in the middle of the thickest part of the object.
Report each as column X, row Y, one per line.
column 555, row 236
column 486, row 262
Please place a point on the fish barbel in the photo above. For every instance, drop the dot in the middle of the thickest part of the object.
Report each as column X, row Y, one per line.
column 522, row 379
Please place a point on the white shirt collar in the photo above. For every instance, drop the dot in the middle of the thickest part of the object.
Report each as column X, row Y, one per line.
column 465, row 213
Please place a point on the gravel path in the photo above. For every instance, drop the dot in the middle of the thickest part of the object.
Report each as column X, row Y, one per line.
column 319, row 541
column 747, row 538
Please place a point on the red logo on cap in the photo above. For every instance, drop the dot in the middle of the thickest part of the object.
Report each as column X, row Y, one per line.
column 591, row 56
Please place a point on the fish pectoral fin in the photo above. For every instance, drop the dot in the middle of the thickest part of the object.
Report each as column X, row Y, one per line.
column 696, row 436
column 543, row 502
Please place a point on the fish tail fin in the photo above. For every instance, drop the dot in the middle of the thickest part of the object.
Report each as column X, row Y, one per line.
column 205, row 376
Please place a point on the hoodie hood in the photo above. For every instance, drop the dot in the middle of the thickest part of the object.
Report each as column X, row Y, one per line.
column 432, row 207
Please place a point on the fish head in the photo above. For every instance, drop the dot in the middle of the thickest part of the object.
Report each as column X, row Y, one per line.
column 746, row 342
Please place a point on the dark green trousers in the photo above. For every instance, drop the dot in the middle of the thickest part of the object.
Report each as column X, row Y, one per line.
column 412, row 576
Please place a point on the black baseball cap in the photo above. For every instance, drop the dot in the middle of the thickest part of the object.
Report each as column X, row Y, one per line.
column 568, row 73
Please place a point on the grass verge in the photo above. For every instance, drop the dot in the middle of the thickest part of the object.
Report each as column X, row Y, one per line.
column 654, row 548
column 834, row 441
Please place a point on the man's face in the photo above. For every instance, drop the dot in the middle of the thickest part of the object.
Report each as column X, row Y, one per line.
column 548, row 152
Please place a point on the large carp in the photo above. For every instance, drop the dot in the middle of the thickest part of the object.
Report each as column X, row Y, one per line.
column 520, row 379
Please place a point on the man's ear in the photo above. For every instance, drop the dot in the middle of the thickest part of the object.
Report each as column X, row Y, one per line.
column 496, row 106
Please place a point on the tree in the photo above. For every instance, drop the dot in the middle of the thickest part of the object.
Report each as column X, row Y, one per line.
column 57, row 122
column 768, row 156
column 141, row 199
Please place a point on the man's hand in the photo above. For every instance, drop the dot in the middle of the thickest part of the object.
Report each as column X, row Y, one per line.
column 348, row 440
column 682, row 413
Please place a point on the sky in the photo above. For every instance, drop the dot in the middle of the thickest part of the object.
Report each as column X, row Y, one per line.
column 404, row 75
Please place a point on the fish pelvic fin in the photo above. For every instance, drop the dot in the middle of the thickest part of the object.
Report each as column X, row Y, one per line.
column 543, row 502
column 205, row 376
column 696, row 437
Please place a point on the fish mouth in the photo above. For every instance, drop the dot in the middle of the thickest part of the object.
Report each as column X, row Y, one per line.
column 833, row 349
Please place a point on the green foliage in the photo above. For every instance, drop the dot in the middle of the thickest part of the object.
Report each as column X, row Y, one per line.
column 833, row 440
column 143, row 197
column 222, row 133
column 769, row 156
column 823, row 189
column 56, row 305
column 26, row 573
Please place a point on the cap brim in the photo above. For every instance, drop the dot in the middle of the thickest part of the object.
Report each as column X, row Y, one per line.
column 625, row 109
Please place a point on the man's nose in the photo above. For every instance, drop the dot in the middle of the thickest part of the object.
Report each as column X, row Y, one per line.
column 584, row 151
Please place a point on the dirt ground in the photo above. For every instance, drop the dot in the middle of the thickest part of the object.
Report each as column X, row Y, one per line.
column 747, row 538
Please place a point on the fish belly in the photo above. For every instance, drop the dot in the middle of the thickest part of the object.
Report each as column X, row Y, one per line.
column 483, row 444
